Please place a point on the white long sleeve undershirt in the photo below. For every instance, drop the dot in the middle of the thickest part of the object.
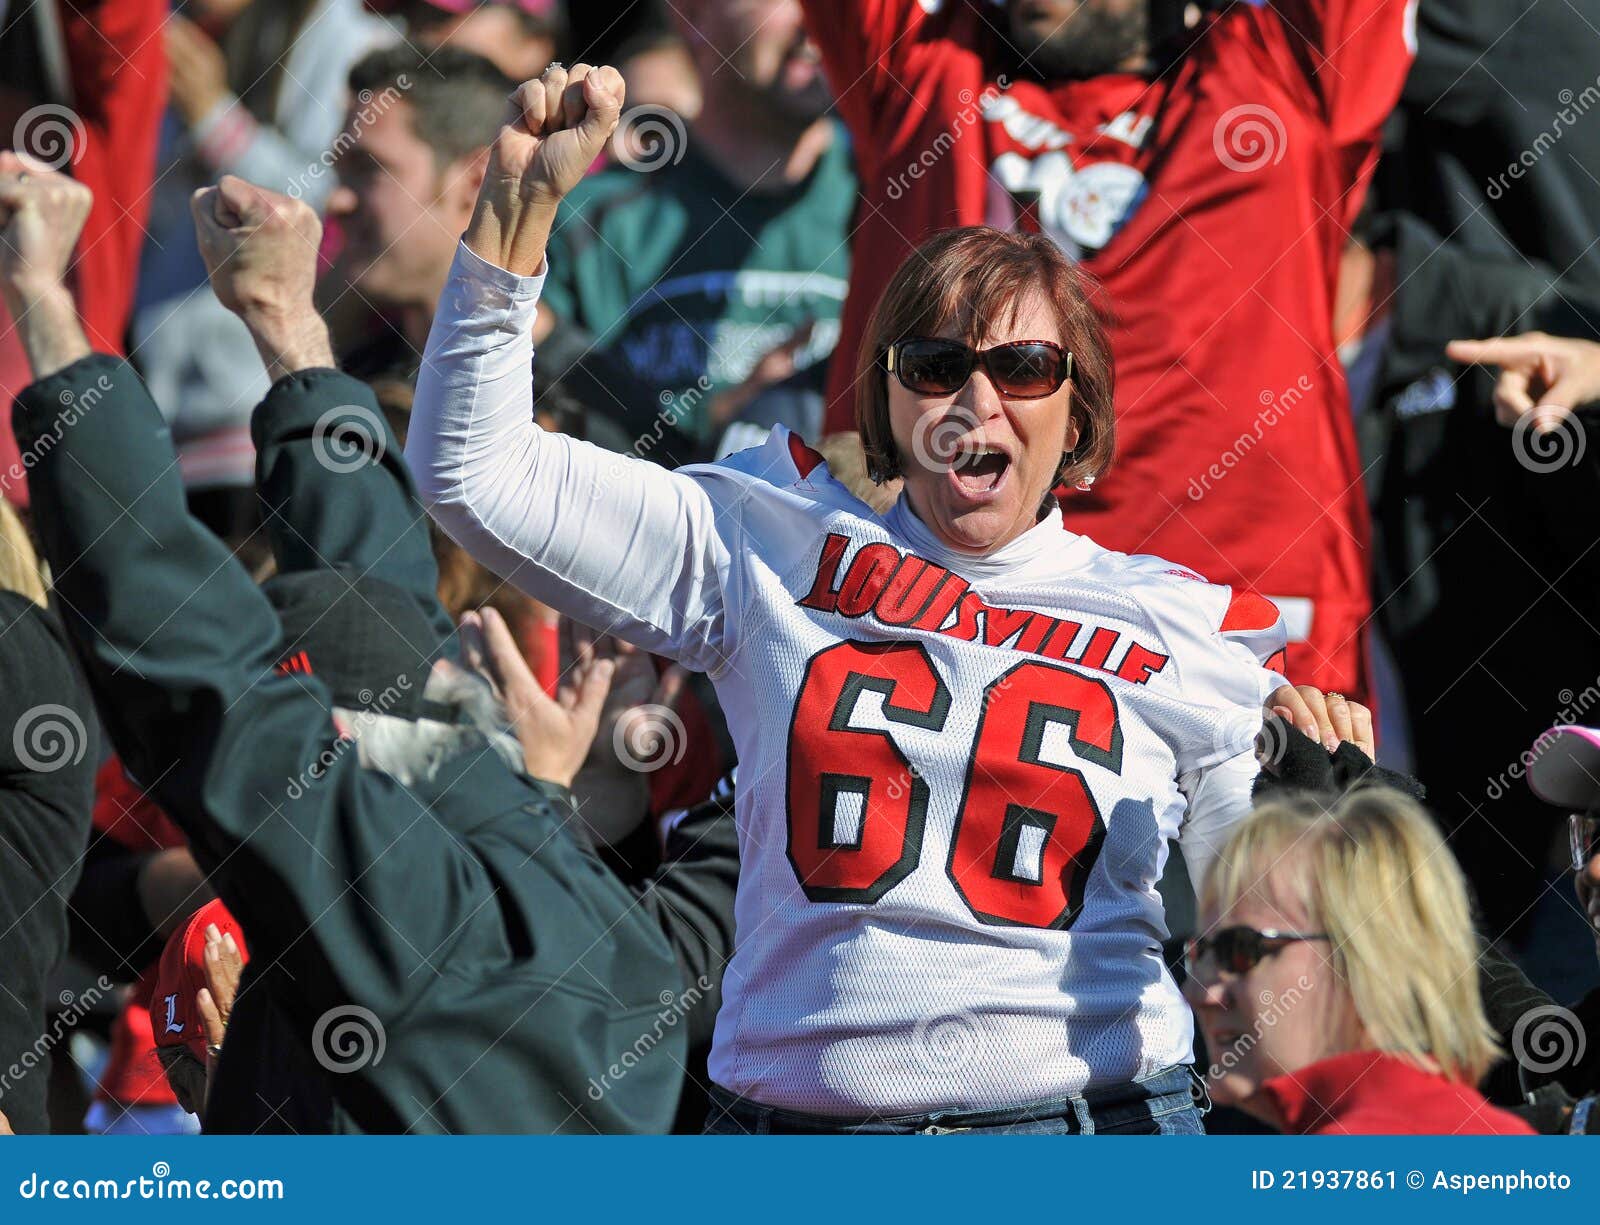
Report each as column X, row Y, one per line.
column 616, row 542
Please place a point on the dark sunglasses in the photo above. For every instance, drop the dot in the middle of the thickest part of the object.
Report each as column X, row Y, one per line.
column 1238, row 950
column 1584, row 831
column 1022, row 369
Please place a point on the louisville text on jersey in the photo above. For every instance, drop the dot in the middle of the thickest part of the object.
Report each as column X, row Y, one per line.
column 903, row 590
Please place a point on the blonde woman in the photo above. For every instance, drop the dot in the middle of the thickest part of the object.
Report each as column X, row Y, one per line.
column 1336, row 979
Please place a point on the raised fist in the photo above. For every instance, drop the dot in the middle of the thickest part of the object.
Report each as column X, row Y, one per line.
column 41, row 215
column 555, row 128
column 260, row 248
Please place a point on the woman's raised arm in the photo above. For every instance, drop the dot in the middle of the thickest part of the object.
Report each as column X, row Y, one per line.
column 617, row 543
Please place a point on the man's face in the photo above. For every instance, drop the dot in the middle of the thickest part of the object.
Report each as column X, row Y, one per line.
column 1079, row 39
column 400, row 211
column 768, row 53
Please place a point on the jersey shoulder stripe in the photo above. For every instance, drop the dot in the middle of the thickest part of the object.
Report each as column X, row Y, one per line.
column 1212, row 609
column 786, row 463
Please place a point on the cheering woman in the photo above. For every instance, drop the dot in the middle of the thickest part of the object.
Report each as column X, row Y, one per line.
column 965, row 735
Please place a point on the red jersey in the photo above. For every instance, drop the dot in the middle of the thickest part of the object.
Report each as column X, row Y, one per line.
column 117, row 70
column 1212, row 203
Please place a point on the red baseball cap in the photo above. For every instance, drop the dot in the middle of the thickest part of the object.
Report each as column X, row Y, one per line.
column 180, row 975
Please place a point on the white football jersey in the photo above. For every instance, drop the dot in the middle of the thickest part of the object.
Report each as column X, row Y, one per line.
column 957, row 775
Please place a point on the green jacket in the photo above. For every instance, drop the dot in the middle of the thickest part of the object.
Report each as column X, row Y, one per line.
column 439, row 960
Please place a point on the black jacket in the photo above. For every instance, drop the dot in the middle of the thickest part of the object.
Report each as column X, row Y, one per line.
column 441, row 959
column 47, row 764
column 1499, row 141
column 1486, row 571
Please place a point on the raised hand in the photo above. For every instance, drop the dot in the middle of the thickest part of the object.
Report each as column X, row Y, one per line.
column 224, row 968
column 555, row 733
column 260, row 250
column 41, row 215
column 555, row 128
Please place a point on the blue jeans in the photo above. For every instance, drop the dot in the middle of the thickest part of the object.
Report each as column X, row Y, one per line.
column 1168, row 1103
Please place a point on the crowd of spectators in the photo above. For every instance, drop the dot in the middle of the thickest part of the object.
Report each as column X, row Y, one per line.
column 310, row 822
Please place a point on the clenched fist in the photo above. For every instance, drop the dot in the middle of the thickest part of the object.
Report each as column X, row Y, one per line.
column 41, row 215
column 260, row 249
column 554, row 130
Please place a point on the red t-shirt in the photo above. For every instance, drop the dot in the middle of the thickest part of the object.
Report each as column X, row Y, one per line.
column 1212, row 203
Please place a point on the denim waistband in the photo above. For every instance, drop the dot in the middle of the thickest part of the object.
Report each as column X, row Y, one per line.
column 1172, row 1088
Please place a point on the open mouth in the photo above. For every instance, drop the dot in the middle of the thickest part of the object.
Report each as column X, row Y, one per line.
column 802, row 66
column 980, row 471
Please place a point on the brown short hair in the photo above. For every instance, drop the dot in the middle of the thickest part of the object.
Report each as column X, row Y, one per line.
column 968, row 278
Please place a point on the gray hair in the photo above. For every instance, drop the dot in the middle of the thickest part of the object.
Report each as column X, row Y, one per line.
column 413, row 751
